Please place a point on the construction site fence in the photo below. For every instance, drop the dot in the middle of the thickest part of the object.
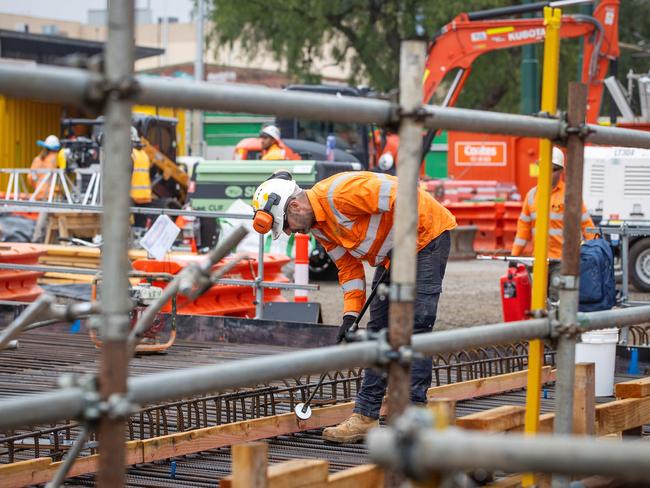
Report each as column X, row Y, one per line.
column 85, row 88
column 72, row 402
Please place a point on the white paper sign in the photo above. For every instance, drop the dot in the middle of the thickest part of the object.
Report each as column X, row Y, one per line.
column 160, row 237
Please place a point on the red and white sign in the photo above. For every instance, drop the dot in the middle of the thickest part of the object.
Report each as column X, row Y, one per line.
column 480, row 153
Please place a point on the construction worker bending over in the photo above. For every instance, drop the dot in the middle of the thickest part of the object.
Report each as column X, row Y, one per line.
column 271, row 149
column 47, row 159
column 526, row 222
column 351, row 215
column 140, row 178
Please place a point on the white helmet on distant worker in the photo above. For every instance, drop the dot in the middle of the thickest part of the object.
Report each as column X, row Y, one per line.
column 50, row 143
column 270, row 202
column 558, row 157
column 272, row 131
column 135, row 137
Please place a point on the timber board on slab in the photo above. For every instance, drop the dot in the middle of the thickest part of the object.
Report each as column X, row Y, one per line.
column 296, row 473
column 496, row 419
column 633, row 389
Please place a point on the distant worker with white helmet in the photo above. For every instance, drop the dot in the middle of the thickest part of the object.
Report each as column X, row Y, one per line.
column 272, row 144
column 351, row 215
column 140, row 193
column 46, row 160
column 526, row 222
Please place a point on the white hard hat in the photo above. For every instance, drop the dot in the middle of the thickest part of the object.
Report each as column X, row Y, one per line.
column 270, row 202
column 272, row 131
column 558, row 157
column 134, row 135
column 51, row 142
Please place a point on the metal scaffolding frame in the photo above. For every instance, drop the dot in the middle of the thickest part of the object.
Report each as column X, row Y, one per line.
column 104, row 402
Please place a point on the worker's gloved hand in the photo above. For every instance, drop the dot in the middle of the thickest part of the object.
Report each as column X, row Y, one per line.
column 348, row 320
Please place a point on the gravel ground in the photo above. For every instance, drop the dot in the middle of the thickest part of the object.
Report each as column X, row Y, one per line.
column 470, row 295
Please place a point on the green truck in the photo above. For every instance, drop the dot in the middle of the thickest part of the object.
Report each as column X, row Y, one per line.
column 215, row 185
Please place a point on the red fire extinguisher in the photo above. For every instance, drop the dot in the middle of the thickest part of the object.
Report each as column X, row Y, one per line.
column 515, row 293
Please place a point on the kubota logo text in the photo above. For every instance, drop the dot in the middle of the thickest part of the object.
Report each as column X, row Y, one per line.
column 526, row 34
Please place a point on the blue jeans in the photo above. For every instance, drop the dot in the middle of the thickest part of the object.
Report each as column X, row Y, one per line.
column 431, row 265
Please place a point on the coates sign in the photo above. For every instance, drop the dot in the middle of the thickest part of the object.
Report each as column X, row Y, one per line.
column 480, row 153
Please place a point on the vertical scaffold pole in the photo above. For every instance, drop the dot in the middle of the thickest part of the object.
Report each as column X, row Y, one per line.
column 570, row 271
column 552, row 21
column 116, row 168
column 403, row 263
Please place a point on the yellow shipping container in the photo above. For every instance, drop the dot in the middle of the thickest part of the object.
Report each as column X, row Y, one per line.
column 177, row 113
column 22, row 123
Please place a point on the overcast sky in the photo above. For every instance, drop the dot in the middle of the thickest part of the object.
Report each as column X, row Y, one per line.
column 77, row 9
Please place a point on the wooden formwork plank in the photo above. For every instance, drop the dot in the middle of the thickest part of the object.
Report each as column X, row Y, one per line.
column 614, row 417
column 248, row 430
column 584, row 399
column 365, row 476
column 497, row 419
column 296, row 473
column 488, row 386
column 633, row 389
column 249, row 465
column 42, row 470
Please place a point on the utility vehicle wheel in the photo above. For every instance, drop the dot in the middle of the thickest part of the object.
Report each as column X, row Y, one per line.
column 640, row 264
column 321, row 267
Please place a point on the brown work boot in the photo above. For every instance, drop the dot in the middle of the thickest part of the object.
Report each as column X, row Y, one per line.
column 353, row 429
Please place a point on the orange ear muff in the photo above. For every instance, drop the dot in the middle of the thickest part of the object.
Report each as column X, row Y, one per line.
column 262, row 221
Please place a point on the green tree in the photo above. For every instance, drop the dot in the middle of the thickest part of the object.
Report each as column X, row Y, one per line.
column 368, row 33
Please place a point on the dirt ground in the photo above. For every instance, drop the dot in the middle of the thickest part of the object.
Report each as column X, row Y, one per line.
column 470, row 295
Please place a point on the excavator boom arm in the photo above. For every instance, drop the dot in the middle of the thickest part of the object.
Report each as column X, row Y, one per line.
column 463, row 40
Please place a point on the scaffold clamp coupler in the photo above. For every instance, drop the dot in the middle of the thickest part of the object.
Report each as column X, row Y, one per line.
column 401, row 292
column 566, row 282
column 119, row 406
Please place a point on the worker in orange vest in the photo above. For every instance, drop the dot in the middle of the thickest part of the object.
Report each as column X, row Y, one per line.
column 141, row 193
column 271, row 144
column 351, row 215
column 526, row 222
column 47, row 159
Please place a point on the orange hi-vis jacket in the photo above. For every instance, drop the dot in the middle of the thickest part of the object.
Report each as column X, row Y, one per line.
column 275, row 152
column 354, row 223
column 40, row 162
column 526, row 222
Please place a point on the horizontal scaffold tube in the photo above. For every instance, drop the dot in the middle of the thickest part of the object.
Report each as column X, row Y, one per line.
column 79, row 87
column 614, row 318
column 181, row 383
column 430, row 451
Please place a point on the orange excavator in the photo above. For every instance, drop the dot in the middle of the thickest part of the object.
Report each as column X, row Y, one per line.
column 470, row 35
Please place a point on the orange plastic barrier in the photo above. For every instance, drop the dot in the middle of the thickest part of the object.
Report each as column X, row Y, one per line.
column 15, row 285
column 487, row 217
column 230, row 300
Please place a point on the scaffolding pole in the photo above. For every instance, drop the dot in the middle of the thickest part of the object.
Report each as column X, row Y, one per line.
column 79, row 87
column 422, row 452
column 570, row 270
column 116, row 172
column 72, row 402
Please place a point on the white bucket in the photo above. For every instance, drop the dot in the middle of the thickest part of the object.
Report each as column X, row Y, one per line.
column 599, row 347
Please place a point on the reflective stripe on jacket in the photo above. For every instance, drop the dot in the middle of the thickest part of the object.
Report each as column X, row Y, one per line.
column 526, row 222
column 275, row 152
column 140, row 179
column 354, row 223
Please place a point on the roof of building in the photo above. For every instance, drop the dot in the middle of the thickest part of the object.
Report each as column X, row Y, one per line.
column 50, row 49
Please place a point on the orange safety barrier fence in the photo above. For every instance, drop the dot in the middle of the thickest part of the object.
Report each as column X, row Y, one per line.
column 15, row 285
column 487, row 217
column 230, row 300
